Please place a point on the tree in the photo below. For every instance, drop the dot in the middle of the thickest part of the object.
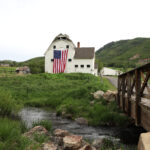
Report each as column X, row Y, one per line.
column 100, row 65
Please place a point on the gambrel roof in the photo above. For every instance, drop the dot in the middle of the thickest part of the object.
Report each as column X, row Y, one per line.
column 63, row 37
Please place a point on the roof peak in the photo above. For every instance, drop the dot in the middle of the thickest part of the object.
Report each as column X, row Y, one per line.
column 62, row 36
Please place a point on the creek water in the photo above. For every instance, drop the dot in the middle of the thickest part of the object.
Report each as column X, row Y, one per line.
column 31, row 114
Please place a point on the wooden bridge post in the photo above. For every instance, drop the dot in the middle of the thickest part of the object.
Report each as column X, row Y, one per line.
column 123, row 93
column 119, row 89
column 129, row 92
column 138, row 96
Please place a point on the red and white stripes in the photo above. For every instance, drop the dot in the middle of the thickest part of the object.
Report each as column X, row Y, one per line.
column 59, row 65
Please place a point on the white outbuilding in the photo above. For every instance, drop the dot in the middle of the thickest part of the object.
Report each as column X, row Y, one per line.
column 63, row 56
column 110, row 72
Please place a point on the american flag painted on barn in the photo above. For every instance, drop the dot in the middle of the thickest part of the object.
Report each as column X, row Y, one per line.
column 60, row 58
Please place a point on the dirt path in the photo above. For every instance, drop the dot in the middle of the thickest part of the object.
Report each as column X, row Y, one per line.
column 113, row 80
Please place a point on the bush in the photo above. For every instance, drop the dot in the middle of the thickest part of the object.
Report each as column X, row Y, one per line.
column 11, row 135
column 103, row 114
column 6, row 103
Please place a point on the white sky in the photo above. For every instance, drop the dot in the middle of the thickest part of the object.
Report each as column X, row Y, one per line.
column 27, row 27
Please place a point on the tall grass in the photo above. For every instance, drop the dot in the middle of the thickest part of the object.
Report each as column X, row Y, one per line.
column 45, row 123
column 69, row 93
column 6, row 103
column 11, row 135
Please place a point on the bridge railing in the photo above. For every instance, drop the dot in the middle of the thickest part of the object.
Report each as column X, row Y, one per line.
column 133, row 83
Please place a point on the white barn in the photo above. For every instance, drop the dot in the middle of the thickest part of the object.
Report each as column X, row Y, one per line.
column 79, row 59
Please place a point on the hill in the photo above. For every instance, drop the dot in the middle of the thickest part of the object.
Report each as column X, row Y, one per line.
column 36, row 64
column 125, row 53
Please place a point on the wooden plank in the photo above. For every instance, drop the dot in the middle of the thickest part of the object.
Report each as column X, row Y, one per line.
column 138, row 96
column 145, row 119
column 148, row 89
column 132, row 87
column 123, row 93
column 129, row 93
column 145, row 82
column 144, row 68
column 119, row 89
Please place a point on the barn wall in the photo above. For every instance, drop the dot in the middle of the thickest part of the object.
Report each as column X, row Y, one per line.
column 60, row 45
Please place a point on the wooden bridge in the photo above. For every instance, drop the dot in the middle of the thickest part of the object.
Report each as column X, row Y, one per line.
column 134, row 95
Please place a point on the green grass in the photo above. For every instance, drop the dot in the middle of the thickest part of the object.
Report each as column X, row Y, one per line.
column 7, row 104
column 7, row 71
column 68, row 93
column 109, row 84
column 45, row 123
column 108, row 144
column 11, row 135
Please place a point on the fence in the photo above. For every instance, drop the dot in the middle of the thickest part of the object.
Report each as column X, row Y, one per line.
column 134, row 83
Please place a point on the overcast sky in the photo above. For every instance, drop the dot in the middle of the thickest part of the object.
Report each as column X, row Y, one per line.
column 27, row 27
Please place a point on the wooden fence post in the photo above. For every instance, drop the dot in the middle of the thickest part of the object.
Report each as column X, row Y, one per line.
column 129, row 93
column 123, row 92
column 119, row 89
column 138, row 96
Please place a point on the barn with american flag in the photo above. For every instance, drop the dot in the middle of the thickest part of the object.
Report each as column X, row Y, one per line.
column 62, row 56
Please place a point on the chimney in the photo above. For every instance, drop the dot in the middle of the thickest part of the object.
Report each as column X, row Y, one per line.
column 78, row 45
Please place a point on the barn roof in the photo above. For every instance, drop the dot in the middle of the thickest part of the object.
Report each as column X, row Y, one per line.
column 62, row 37
column 84, row 53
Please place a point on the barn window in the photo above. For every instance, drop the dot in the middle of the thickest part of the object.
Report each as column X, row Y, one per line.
column 52, row 59
column 54, row 47
column 67, row 46
column 82, row 66
column 76, row 66
column 69, row 59
column 88, row 66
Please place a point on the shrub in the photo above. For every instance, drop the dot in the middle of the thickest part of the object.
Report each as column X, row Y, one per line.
column 6, row 103
column 11, row 135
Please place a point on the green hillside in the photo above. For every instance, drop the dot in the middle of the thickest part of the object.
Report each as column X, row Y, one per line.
column 36, row 64
column 125, row 53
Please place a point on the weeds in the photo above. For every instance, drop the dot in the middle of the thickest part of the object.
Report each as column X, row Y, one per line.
column 69, row 93
column 45, row 123
column 6, row 103
column 11, row 135
column 40, row 138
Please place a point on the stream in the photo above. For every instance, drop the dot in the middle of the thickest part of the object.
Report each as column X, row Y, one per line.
column 31, row 114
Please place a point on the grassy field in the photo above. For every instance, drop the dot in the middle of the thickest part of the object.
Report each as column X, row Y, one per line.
column 109, row 84
column 69, row 93
column 7, row 71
